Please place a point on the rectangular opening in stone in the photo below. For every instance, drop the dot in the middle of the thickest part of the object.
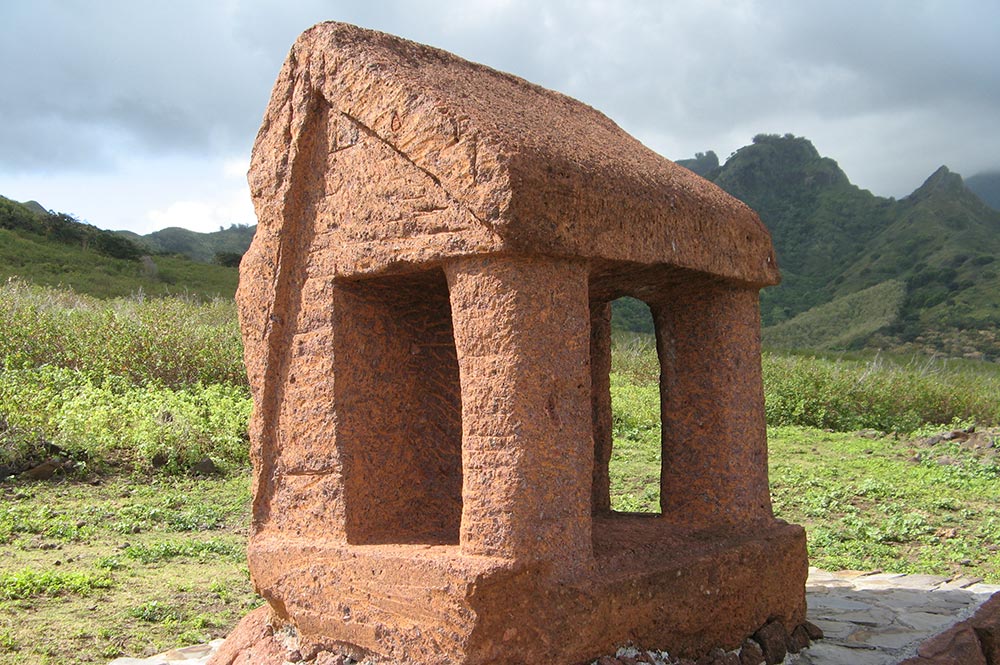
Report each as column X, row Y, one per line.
column 626, row 408
column 634, row 464
column 399, row 421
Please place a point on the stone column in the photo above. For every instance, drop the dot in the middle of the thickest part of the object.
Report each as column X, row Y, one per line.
column 521, row 333
column 600, row 381
column 714, row 466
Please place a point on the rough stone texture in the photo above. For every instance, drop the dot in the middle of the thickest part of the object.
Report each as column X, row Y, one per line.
column 252, row 641
column 986, row 623
column 425, row 316
column 773, row 638
column 975, row 641
column 798, row 639
column 958, row 646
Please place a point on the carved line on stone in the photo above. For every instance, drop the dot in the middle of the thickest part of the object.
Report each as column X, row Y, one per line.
column 437, row 181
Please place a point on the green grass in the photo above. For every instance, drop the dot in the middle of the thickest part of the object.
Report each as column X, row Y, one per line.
column 28, row 583
column 850, row 392
column 884, row 504
column 92, row 571
column 170, row 341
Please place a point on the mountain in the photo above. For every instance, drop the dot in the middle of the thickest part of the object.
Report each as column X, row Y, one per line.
column 224, row 246
column 56, row 249
column 705, row 164
column 987, row 187
column 834, row 239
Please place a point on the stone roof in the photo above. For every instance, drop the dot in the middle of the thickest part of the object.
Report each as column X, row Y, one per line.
column 403, row 155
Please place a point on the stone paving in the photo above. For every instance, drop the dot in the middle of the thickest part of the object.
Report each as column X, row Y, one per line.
column 867, row 618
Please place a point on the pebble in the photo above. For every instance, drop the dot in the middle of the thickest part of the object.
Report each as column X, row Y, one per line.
column 871, row 618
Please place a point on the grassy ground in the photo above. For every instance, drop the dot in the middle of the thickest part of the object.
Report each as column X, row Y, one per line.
column 884, row 503
column 89, row 572
column 135, row 392
column 92, row 571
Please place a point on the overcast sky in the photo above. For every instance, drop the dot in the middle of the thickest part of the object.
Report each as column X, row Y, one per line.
column 140, row 114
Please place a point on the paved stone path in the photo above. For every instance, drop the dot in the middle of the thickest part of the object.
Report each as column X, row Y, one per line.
column 868, row 618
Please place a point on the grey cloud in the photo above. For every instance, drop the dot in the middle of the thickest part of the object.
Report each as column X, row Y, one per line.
column 97, row 79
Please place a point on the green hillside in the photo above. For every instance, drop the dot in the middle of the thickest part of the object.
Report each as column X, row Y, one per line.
column 223, row 246
column 846, row 322
column 834, row 239
column 819, row 221
column 54, row 249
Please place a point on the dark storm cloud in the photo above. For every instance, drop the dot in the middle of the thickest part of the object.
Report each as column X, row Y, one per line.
column 88, row 80
column 891, row 89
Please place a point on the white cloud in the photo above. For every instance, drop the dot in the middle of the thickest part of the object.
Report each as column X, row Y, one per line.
column 204, row 216
column 236, row 168
column 135, row 112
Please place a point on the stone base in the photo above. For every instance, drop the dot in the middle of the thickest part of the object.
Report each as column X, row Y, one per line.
column 649, row 584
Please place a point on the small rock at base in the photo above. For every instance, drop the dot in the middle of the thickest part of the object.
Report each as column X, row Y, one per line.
column 814, row 631
column 798, row 640
column 751, row 653
column 713, row 657
column 773, row 638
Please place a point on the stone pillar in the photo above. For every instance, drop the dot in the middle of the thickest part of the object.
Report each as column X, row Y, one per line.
column 600, row 382
column 521, row 333
column 714, row 465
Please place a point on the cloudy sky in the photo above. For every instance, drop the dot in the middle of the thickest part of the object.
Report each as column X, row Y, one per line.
column 140, row 114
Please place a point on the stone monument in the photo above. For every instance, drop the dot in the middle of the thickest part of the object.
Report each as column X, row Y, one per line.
column 425, row 310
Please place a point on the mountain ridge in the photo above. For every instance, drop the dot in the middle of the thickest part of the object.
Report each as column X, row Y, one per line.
column 834, row 239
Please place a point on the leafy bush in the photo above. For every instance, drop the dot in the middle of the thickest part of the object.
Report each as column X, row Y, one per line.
column 113, row 422
column 173, row 341
column 28, row 583
column 845, row 395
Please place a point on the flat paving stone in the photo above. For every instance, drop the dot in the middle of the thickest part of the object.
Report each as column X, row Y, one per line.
column 867, row 618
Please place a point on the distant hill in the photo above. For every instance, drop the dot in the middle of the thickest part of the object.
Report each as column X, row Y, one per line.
column 218, row 246
column 705, row 164
column 987, row 187
column 55, row 249
column 847, row 322
column 834, row 239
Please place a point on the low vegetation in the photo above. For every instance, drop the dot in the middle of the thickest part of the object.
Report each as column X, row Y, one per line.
column 56, row 249
column 90, row 571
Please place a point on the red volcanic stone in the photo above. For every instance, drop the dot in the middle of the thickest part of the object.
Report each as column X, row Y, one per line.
column 751, row 653
column 986, row 623
column 773, row 638
column 252, row 641
column 799, row 639
column 957, row 646
column 425, row 315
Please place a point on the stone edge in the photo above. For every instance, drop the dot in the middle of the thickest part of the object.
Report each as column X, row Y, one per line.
column 974, row 641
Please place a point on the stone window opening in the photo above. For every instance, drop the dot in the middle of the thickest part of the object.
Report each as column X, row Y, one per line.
column 634, row 462
column 401, row 407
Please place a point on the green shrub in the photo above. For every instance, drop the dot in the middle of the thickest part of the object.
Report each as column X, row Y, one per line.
column 838, row 393
column 174, row 341
column 846, row 395
column 115, row 422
